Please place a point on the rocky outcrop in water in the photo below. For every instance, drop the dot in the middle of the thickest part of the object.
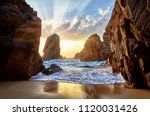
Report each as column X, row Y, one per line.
column 19, row 40
column 94, row 49
column 52, row 48
column 52, row 69
column 129, row 33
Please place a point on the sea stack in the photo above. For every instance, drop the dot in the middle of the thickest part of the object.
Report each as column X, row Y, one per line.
column 94, row 50
column 129, row 33
column 52, row 48
column 19, row 40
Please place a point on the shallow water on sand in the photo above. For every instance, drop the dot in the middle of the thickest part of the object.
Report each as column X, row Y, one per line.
column 75, row 71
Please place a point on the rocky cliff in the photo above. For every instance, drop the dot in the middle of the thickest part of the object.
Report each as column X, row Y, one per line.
column 20, row 31
column 52, row 48
column 94, row 49
column 129, row 33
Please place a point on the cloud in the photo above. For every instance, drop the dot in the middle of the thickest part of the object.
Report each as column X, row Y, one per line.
column 63, row 9
column 104, row 12
column 80, row 27
column 82, row 23
column 47, row 27
column 63, row 27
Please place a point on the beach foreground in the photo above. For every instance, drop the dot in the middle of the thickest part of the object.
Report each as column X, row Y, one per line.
column 59, row 90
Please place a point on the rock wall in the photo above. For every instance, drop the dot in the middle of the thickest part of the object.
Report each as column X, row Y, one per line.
column 20, row 31
column 129, row 34
column 52, row 48
column 94, row 49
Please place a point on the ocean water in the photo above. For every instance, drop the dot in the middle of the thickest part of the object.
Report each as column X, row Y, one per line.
column 75, row 71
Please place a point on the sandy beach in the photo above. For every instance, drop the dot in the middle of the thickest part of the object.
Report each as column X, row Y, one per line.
column 60, row 90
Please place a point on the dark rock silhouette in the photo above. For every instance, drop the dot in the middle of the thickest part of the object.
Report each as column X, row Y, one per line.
column 52, row 69
column 129, row 33
column 94, row 49
column 52, row 48
column 19, row 40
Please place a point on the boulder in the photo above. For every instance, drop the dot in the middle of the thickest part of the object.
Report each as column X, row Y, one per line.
column 94, row 49
column 19, row 40
column 52, row 69
column 129, row 34
column 52, row 48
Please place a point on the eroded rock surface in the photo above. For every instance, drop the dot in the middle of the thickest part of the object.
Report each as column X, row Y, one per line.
column 94, row 49
column 52, row 48
column 19, row 40
column 129, row 33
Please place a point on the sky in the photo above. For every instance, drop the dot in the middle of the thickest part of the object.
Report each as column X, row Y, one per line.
column 73, row 20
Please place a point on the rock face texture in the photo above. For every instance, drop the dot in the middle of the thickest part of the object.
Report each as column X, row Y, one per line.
column 129, row 33
column 94, row 49
column 20, row 31
column 52, row 48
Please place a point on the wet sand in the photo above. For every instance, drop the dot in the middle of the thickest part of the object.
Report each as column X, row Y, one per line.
column 60, row 90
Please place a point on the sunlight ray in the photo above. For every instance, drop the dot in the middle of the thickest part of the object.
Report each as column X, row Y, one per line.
column 61, row 10
column 73, row 20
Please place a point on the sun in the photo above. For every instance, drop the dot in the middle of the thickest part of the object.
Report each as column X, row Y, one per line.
column 69, row 48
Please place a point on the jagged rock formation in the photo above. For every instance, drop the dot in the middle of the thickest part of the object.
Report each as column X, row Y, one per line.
column 129, row 33
column 94, row 49
column 19, row 40
column 52, row 48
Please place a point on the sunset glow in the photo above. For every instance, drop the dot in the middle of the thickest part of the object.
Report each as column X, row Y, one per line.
column 42, row 43
column 68, row 47
column 73, row 20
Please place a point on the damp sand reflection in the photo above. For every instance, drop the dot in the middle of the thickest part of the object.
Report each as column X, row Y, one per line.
column 59, row 90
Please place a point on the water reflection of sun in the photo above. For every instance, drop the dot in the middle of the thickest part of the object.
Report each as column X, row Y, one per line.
column 73, row 91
